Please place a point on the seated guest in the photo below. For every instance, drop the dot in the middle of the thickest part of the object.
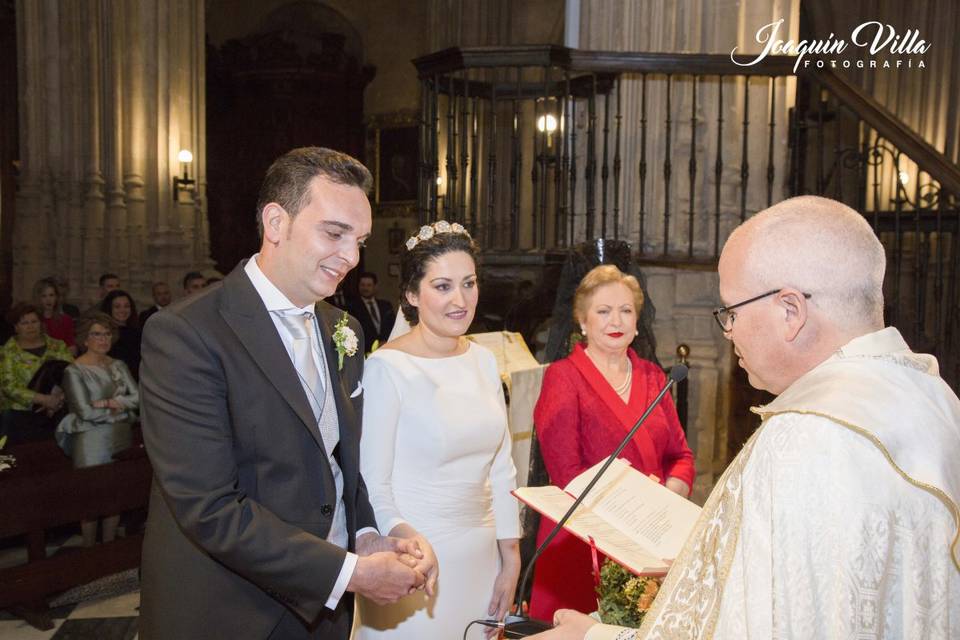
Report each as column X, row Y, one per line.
column 193, row 282
column 838, row 518
column 26, row 413
column 162, row 296
column 123, row 311
column 56, row 323
column 376, row 316
column 102, row 399
column 108, row 282
column 588, row 403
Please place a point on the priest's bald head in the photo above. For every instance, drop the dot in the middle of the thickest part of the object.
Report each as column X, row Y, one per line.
column 815, row 269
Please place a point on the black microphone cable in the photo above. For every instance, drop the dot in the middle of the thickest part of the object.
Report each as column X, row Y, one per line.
column 502, row 626
column 493, row 624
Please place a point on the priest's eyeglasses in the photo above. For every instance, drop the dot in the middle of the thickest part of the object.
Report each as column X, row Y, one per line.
column 725, row 316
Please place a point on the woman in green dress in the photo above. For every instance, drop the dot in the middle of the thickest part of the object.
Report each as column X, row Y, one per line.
column 103, row 401
column 26, row 411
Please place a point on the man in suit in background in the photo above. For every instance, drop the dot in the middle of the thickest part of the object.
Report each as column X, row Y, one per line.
column 259, row 521
column 108, row 282
column 192, row 282
column 376, row 316
column 162, row 296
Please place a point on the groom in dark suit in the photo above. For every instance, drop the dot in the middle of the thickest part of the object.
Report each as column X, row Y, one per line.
column 259, row 523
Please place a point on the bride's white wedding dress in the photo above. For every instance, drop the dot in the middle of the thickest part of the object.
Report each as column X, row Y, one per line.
column 435, row 453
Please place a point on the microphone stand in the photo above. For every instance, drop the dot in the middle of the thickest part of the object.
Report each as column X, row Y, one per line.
column 521, row 626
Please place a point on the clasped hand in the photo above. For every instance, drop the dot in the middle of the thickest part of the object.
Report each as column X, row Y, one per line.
column 49, row 403
column 390, row 568
column 568, row 625
column 110, row 403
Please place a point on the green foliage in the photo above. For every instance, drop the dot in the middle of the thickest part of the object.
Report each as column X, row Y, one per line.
column 624, row 598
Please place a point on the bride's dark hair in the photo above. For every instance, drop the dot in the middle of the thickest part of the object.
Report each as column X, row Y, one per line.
column 413, row 264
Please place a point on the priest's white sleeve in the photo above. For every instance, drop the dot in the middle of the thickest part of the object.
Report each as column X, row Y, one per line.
column 609, row 632
column 835, row 543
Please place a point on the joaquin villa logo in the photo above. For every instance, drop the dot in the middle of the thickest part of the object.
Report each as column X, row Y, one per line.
column 872, row 36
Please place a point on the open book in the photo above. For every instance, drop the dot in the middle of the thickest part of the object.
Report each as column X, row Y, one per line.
column 635, row 521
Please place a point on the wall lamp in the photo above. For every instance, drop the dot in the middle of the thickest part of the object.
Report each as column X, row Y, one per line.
column 184, row 183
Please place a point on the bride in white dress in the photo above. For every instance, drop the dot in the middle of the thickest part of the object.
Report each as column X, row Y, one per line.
column 435, row 450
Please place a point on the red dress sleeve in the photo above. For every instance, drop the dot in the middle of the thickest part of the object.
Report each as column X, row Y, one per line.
column 677, row 459
column 557, row 421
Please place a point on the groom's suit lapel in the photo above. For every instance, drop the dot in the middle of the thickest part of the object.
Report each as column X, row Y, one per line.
column 244, row 312
column 327, row 317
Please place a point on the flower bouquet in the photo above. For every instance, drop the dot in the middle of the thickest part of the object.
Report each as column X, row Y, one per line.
column 344, row 340
column 624, row 598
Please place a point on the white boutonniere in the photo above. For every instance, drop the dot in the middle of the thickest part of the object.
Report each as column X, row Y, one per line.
column 344, row 340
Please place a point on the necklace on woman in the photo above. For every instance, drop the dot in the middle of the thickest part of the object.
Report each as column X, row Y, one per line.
column 624, row 388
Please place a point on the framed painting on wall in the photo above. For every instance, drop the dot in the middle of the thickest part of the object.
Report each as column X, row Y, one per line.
column 395, row 239
column 393, row 153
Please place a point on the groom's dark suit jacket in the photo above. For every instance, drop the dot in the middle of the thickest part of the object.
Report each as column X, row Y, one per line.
column 243, row 494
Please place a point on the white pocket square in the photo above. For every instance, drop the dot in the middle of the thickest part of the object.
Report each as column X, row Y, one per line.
column 357, row 391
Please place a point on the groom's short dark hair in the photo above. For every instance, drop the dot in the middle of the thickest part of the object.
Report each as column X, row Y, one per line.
column 288, row 179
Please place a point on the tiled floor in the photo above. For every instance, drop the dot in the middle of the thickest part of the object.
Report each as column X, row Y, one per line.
column 107, row 617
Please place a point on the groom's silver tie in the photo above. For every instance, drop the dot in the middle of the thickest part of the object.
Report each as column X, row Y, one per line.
column 303, row 329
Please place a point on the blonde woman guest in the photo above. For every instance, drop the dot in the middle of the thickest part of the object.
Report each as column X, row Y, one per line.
column 435, row 450
column 56, row 323
column 103, row 401
column 588, row 403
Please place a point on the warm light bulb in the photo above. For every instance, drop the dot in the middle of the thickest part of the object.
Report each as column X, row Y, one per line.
column 439, row 181
column 546, row 123
column 904, row 178
column 185, row 156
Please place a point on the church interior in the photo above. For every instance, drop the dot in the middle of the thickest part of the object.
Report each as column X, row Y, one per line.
column 560, row 133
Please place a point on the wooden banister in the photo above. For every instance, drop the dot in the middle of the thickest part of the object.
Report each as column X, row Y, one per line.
column 930, row 161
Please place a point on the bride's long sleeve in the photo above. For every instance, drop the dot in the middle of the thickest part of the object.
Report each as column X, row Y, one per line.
column 503, row 473
column 381, row 415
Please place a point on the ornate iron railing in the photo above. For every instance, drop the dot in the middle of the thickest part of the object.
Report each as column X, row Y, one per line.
column 536, row 148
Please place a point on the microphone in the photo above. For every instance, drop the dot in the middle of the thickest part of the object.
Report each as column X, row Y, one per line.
column 521, row 626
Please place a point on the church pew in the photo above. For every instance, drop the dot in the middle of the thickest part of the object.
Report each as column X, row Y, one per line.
column 44, row 491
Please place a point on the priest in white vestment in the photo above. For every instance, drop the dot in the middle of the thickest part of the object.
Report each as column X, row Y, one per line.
column 839, row 518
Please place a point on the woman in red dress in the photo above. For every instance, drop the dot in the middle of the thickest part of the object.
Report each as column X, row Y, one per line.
column 589, row 401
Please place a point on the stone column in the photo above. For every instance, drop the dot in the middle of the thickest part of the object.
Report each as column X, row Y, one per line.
column 110, row 91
